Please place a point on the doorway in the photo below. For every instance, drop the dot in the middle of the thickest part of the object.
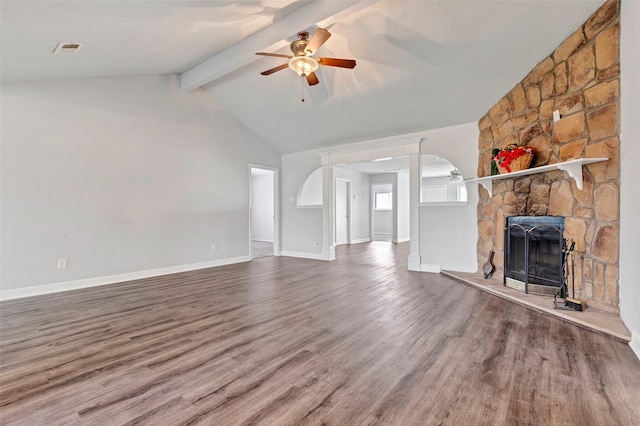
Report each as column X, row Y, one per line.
column 382, row 212
column 343, row 212
column 263, row 212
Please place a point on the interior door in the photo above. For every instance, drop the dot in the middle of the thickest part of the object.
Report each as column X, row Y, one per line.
column 343, row 188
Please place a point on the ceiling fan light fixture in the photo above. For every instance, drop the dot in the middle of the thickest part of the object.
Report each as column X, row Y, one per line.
column 455, row 176
column 303, row 65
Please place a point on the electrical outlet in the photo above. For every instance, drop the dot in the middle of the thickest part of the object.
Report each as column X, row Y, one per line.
column 62, row 263
column 214, row 247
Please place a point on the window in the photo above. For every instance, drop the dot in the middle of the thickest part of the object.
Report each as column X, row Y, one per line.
column 382, row 201
column 462, row 192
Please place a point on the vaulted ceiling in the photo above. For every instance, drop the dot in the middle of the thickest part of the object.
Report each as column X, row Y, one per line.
column 420, row 64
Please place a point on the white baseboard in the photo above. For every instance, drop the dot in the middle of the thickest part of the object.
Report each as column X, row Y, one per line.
column 262, row 241
column 401, row 240
column 635, row 343
column 361, row 240
column 427, row 267
column 304, row 255
column 113, row 279
column 329, row 253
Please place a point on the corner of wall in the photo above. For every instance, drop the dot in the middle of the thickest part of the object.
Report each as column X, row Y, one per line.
column 635, row 343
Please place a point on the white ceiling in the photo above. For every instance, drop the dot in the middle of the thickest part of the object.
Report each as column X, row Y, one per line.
column 421, row 64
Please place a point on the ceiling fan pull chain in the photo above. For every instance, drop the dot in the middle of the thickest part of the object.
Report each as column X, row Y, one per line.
column 302, row 89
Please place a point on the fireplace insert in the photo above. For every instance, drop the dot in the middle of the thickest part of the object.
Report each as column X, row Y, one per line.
column 533, row 257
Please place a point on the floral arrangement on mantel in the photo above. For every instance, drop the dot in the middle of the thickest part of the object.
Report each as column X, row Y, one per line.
column 514, row 158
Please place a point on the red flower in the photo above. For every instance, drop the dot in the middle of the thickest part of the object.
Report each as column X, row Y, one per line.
column 510, row 153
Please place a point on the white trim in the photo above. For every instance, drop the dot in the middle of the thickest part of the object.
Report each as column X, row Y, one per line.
column 348, row 207
column 303, row 255
column 428, row 267
column 361, row 240
column 443, row 204
column 262, row 241
column 276, row 206
column 114, row 279
column 635, row 343
column 401, row 240
column 383, row 236
column 370, row 150
column 329, row 253
column 413, row 263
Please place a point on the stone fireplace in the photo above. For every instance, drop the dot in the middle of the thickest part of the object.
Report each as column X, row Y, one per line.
column 581, row 80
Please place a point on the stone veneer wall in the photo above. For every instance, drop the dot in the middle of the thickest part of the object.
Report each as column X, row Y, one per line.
column 581, row 79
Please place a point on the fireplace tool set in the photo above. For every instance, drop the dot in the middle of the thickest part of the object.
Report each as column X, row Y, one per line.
column 569, row 303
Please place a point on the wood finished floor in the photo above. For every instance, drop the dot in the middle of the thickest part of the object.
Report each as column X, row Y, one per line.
column 284, row 341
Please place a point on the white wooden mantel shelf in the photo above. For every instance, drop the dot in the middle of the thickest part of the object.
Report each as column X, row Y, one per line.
column 572, row 167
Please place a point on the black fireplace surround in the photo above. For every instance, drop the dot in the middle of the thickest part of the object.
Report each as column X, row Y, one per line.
column 533, row 256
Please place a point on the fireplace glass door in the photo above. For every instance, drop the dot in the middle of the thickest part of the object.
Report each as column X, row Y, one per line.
column 533, row 253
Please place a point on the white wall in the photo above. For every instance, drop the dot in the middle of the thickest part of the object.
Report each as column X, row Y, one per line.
column 120, row 176
column 630, row 173
column 403, row 207
column 382, row 225
column 262, row 206
column 451, row 187
column 360, row 203
column 448, row 234
column 301, row 227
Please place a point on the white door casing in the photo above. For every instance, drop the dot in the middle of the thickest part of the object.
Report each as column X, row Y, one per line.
column 343, row 211
column 275, row 211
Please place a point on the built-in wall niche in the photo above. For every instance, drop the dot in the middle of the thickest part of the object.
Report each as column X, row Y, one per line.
column 310, row 193
column 441, row 182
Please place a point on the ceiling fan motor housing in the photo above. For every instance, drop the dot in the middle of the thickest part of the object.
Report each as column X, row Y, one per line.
column 298, row 47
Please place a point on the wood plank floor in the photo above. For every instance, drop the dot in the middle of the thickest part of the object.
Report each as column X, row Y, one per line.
column 284, row 341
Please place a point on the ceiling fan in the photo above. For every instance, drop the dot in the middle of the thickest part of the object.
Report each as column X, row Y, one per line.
column 302, row 61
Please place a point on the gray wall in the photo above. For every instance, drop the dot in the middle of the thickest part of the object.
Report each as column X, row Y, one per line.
column 360, row 225
column 118, row 176
column 301, row 227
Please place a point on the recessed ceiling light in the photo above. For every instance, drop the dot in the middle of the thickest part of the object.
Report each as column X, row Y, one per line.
column 66, row 48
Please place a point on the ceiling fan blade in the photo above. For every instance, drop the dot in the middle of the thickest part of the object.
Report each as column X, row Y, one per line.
column 277, row 55
column 334, row 62
column 312, row 79
column 275, row 69
column 319, row 37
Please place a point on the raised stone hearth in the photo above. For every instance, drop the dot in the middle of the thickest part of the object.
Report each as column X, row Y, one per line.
column 581, row 79
column 593, row 319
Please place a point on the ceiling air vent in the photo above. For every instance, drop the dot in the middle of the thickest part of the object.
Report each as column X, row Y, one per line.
column 67, row 47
